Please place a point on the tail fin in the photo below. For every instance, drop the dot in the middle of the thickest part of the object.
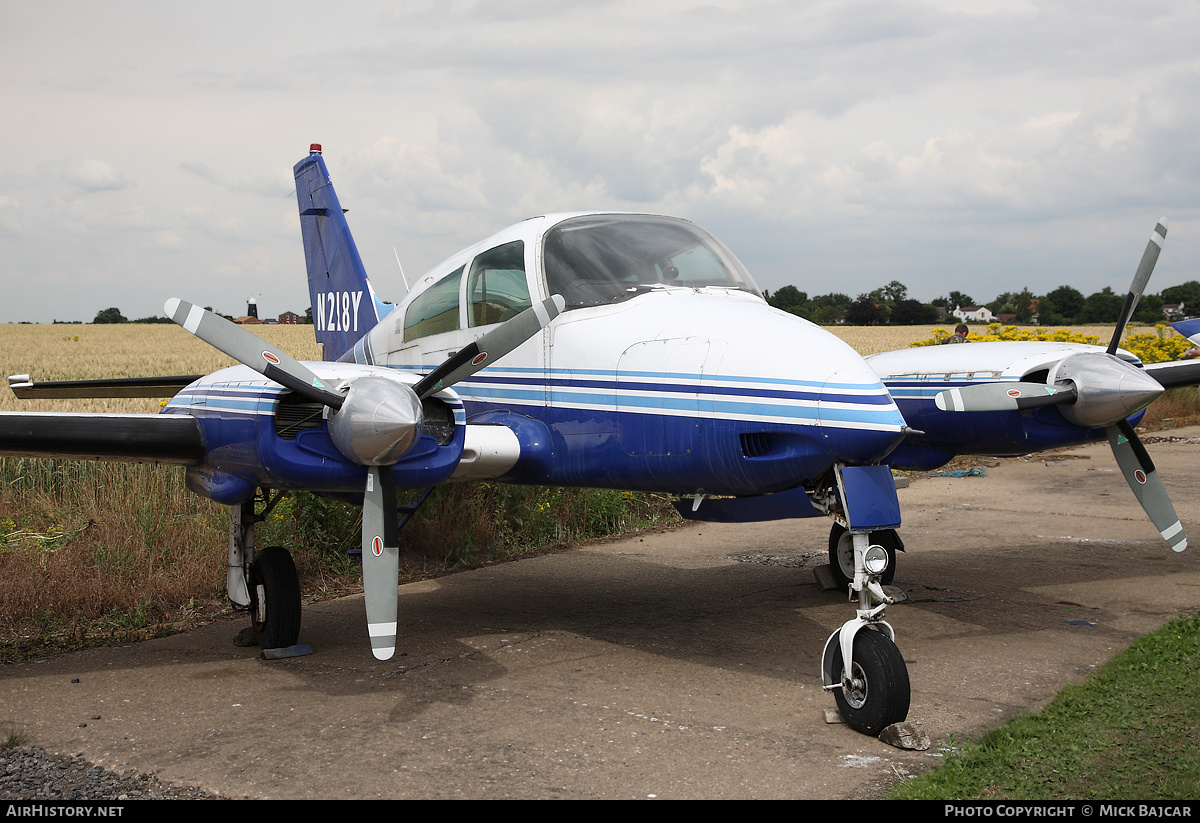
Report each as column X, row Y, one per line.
column 344, row 306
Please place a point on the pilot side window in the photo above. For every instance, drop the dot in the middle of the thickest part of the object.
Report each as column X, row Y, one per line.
column 436, row 310
column 496, row 286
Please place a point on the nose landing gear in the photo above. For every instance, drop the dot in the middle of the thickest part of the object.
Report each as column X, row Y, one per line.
column 861, row 664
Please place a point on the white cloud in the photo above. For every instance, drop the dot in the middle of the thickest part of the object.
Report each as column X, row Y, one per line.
column 926, row 142
column 94, row 175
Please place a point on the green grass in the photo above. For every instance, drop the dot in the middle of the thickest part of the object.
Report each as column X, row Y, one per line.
column 1131, row 731
column 98, row 553
column 14, row 739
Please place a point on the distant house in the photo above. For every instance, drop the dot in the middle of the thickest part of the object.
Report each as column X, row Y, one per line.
column 1174, row 311
column 248, row 320
column 290, row 317
column 1006, row 318
column 974, row 314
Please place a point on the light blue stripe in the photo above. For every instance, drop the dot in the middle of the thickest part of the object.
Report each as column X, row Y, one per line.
column 561, row 374
column 887, row 416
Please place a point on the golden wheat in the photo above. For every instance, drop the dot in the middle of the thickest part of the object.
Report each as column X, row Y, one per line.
column 89, row 352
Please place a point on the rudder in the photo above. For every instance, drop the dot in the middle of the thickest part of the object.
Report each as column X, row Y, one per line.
column 344, row 306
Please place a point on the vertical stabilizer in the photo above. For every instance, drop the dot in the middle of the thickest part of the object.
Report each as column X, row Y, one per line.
column 344, row 306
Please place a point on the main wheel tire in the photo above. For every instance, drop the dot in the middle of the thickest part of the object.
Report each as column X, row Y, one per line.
column 841, row 554
column 879, row 691
column 275, row 598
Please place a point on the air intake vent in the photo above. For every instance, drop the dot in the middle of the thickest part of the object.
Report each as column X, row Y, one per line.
column 296, row 414
column 439, row 420
column 757, row 444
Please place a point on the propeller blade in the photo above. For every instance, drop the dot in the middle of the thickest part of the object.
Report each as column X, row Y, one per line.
column 381, row 560
column 251, row 350
column 1147, row 486
column 1003, row 397
column 491, row 347
column 1140, row 279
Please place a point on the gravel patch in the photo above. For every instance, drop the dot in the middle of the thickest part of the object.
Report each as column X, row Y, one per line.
column 31, row 773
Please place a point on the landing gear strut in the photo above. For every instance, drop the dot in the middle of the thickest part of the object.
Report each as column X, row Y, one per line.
column 841, row 554
column 861, row 664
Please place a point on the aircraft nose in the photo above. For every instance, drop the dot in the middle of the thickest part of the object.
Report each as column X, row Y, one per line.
column 858, row 416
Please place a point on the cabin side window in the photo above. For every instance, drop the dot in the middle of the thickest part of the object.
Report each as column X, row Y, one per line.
column 436, row 310
column 496, row 286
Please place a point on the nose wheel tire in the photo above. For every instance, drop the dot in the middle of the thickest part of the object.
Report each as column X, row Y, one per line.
column 841, row 554
column 275, row 599
column 875, row 691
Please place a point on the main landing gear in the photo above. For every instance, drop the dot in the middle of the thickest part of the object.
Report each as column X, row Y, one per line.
column 861, row 664
column 263, row 582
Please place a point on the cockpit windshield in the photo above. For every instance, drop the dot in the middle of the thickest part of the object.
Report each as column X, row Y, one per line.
column 601, row 259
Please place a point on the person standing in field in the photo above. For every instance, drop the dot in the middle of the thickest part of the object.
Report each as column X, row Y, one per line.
column 959, row 336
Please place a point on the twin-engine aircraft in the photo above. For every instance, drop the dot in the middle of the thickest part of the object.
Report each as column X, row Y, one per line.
column 603, row 350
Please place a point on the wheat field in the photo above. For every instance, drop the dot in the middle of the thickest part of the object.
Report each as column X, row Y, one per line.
column 90, row 352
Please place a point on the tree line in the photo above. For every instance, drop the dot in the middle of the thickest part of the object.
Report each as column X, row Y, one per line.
column 113, row 315
column 1064, row 306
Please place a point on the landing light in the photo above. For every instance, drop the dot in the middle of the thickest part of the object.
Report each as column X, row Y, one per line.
column 875, row 559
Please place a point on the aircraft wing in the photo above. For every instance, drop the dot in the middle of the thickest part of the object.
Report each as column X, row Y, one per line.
column 25, row 389
column 149, row 438
column 1176, row 373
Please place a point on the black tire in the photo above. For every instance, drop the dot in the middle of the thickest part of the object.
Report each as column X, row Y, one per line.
column 274, row 581
column 841, row 554
column 881, row 693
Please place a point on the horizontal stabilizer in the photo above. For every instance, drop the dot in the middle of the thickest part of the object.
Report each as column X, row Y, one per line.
column 1189, row 329
column 25, row 389
column 140, row 438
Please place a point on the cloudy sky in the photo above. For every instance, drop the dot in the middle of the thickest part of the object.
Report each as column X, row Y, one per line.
column 836, row 146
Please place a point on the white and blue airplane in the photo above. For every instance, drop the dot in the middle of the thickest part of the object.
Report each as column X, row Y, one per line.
column 635, row 352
